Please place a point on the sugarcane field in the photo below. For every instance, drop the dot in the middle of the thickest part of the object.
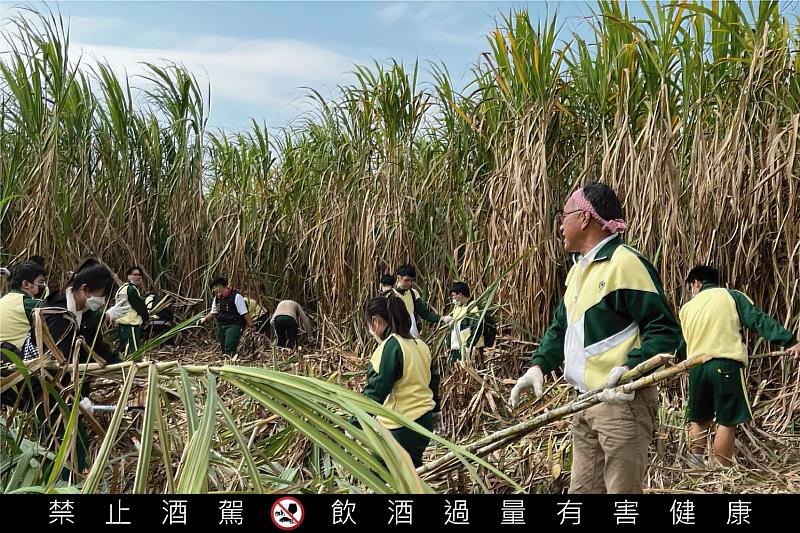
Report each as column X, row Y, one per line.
column 570, row 265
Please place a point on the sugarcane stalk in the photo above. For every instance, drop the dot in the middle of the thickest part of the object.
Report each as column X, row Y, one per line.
column 639, row 370
column 112, row 408
column 503, row 437
column 779, row 353
column 636, row 372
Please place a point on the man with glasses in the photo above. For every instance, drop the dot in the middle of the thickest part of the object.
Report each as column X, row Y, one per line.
column 16, row 307
column 416, row 306
column 711, row 324
column 613, row 316
column 130, row 312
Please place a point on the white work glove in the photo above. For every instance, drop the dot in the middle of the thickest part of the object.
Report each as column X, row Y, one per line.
column 87, row 405
column 610, row 395
column 116, row 311
column 5, row 272
column 438, row 422
column 447, row 319
column 533, row 378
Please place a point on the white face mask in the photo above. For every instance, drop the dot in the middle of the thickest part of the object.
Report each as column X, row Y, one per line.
column 375, row 335
column 456, row 302
column 95, row 303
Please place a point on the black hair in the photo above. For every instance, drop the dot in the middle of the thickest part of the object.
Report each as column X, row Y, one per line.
column 132, row 269
column 604, row 200
column 27, row 271
column 407, row 270
column 94, row 275
column 88, row 262
column 390, row 308
column 219, row 281
column 388, row 279
column 459, row 287
column 704, row 274
column 38, row 259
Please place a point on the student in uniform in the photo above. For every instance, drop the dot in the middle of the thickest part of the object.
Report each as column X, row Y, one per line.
column 711, row 323
column 465, row 333
column 129, row 312
column 16, row 308
column 401, row 374
column 411, row 298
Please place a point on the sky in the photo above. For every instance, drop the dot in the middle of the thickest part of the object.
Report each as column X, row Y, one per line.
column 259, row 58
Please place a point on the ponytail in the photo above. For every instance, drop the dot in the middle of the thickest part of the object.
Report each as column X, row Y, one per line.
column 87, row 263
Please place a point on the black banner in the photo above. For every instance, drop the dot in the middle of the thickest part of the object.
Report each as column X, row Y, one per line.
column 348, row 512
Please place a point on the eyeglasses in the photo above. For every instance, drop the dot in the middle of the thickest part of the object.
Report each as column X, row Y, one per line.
column 561, row 216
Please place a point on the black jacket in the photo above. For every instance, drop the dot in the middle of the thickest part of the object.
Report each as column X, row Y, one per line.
column 90, row 327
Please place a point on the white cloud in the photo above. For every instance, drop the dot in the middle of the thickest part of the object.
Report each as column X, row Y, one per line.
column 263, row 72
column 93, row 27
column 393, row 12
column 266, row 75
column 436, row 22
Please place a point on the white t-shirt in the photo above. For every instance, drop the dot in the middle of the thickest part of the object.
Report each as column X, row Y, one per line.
column 240, row 305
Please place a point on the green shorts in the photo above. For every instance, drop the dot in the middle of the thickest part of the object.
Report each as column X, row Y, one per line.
column 717, row 388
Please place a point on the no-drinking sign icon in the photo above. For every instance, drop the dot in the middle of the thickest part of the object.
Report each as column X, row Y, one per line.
column 287, row 513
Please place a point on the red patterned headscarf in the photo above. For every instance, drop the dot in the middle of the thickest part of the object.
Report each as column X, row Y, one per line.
column 614, row 226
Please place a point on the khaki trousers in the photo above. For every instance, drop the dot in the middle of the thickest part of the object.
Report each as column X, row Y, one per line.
column 610, row 445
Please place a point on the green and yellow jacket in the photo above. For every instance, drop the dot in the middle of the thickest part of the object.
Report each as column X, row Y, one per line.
column 402, row 376
column 416, row 306
column 465, row 333
column 16, row 309
column 129, row 309
column 713, row 319
column 613, row 313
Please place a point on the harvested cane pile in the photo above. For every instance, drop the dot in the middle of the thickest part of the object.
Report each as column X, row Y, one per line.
column 475, row 405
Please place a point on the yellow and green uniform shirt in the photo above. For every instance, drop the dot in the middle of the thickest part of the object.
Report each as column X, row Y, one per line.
column 713, row 319
column 16, row 309
column 613, row 313
column 415, row 305
column 402, row 376
column 254, row 308
column 138, row 308
column 465, row 328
